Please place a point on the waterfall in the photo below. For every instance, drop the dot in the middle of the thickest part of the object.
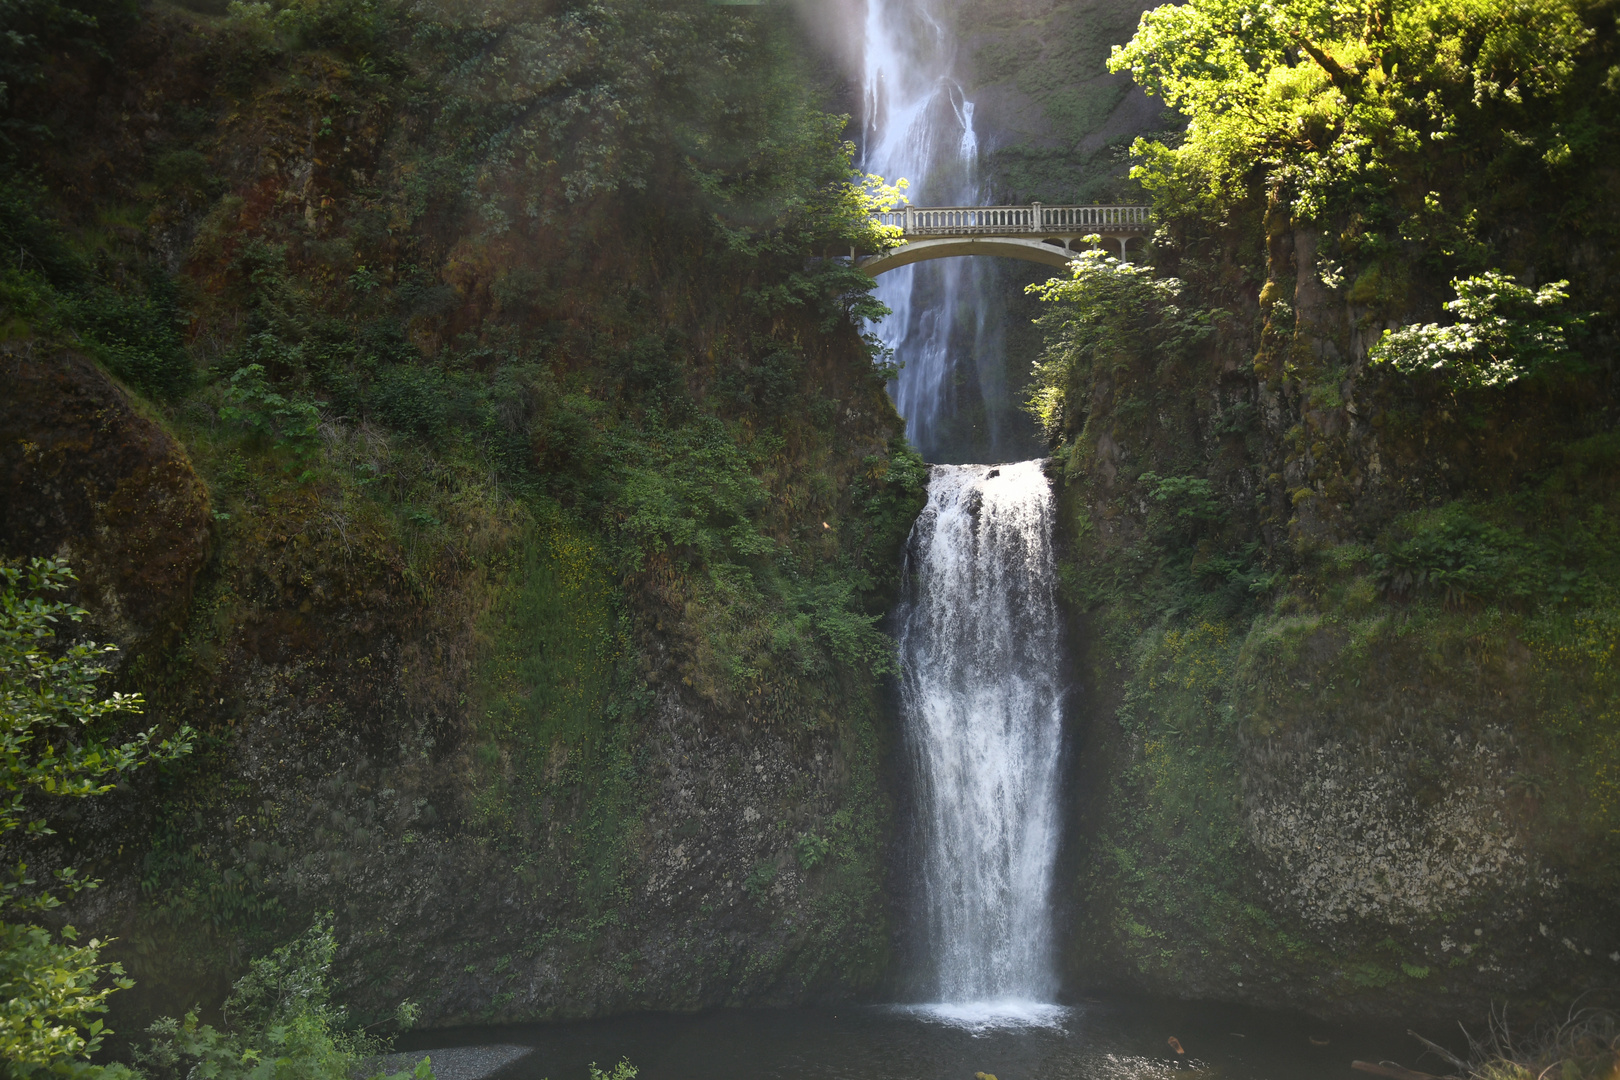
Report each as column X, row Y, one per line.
column 981, row 695
column 979, row 635
column 919, row 125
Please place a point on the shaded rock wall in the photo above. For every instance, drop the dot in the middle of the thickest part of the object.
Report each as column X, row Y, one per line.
column 534, row 770
column 1359, row 793
column 690, row 855
column 1054, row 122
column 91, row 479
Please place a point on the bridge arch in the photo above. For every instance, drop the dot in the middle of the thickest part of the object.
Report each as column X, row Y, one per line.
column 1010, row 247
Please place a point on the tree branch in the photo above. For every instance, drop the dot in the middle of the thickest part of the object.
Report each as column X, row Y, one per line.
column 1345, row 80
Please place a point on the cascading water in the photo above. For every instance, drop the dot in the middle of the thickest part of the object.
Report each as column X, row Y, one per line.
column 979, row 651
column 919, row 126
column 979, row 629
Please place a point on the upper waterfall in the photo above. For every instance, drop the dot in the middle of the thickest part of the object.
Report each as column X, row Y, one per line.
column 919, row 126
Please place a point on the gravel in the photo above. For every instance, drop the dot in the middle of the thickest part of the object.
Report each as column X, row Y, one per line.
column 453, row 1062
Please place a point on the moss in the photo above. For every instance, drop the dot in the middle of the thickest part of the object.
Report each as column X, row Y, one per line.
column 545, row 688
column 94, row 478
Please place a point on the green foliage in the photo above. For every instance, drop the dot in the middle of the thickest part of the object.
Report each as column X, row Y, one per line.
column 1118, row 329
column 1461, row 558
column 562, row 637
column 187, row 892
column 46, row 289
column 760, row 878
column 33, row 243
column 830, row 603
column 555, row 258
column 250, row 402
column 1504, row 332
column 1273, row 551
column 1190, row 500
column 622, row 1071
column 281, row 1025
column 25, row 299
column 52, row 993
column 1169, row 862
column 597, row 99
column 1110, row 314
column 52, row 744
column 1549, row 545
column 32, row 33
column 705, row 504
column 1338, row 100
column 136, row 335
column 811, row 850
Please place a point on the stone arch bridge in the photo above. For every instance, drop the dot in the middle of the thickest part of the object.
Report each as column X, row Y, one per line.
column 1035, row 233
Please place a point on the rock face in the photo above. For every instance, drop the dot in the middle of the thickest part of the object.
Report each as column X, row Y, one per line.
column 1348, row 732
column 679, row 853
column 1374, row 789
column 90, row 479
column 1052, row 119
column 1342, row 835
column 523, row 595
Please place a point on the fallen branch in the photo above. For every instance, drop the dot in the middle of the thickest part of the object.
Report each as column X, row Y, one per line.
column 1436, row 1048
column 1390, row 1069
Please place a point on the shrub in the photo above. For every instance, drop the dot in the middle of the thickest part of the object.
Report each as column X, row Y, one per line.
column 280, row 1025
column 1461, row 558
column 1504, row 332
column 1108, row 314
column 137, row 336
column 51, row 743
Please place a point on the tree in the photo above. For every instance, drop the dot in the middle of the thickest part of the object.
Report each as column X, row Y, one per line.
column 1109, row 317
column 1336, row 101
column 53, row 743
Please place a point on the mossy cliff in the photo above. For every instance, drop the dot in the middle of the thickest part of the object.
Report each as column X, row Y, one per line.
column 439, row 410
column 1345, row 629
column 1057, row 125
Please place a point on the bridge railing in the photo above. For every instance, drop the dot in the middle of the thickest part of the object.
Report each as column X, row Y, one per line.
column 1001, row 220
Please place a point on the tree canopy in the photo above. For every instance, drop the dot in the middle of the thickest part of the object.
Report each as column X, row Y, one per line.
column 1337, row 99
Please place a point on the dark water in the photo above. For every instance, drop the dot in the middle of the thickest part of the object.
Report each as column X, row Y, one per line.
column 1115, row 1040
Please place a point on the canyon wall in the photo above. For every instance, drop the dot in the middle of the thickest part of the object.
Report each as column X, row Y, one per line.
column 486, row 478
column 1344, row 630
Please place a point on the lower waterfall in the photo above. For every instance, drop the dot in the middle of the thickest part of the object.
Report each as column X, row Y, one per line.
column 981, row 694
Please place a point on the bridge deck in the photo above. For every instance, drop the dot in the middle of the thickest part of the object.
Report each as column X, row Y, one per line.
column 1035, row 219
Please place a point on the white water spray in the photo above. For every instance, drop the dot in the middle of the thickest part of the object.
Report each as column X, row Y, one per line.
column 980, row 655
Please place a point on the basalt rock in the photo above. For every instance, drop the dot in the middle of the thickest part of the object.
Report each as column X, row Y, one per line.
column 91, row 479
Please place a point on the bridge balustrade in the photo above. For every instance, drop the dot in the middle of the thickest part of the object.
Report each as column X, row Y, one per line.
column 1008, row 220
